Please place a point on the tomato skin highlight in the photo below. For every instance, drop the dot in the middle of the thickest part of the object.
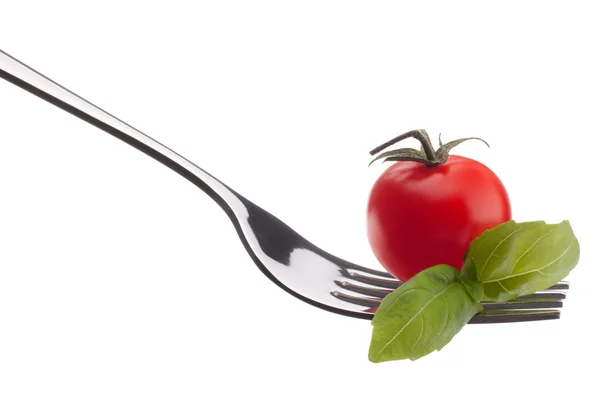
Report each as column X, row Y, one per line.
column 418, row 217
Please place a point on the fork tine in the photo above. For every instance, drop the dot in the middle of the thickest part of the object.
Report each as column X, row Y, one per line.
column 392, row 283
column 562, row 285
column 366, row 290
column 371, row 271
column 494, row 317
column 379, row 294
column 530, row 303
column 534, row 307
column 359, row 300
column 523, row 305
column 544, row 295
column 371, row 280
column 488, row 316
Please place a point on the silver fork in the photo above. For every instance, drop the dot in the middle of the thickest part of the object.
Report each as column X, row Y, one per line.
column 290, row 261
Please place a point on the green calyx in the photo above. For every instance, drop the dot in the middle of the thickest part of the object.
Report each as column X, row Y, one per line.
column 426, row 155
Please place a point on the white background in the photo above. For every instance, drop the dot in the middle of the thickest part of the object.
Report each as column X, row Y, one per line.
column 121, row 280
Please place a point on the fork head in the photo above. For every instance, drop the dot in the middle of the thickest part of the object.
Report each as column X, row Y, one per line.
column 331, row 283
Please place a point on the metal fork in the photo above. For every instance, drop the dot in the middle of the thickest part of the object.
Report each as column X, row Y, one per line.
column 290, row 261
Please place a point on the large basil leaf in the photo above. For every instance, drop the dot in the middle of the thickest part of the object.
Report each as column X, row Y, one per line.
column 516, row 259
column 422, row 315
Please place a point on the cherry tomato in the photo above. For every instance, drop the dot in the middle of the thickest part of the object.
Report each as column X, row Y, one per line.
column 420, row 216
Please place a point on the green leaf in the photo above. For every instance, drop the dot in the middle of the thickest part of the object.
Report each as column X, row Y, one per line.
column 421, row 316
column 475, row 288
column 516, row 259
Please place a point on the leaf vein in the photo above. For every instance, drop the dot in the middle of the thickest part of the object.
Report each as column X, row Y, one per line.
column 537, row 269
column 477, row 249
column 504, row 287
column 420, row 334
column 442, row 330
column 530, row 248
column 493, row 251
column 415, row 316
column 402, row 294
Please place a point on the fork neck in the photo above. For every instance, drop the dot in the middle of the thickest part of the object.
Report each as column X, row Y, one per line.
column 26, row 78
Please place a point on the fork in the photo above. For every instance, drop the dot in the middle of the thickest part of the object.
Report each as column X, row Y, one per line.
column 289, row 260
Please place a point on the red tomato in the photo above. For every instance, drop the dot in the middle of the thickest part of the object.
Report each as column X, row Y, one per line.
column 419, row 217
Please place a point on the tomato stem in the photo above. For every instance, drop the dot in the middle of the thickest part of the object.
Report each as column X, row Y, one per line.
column 427, row 155
column 420, row 134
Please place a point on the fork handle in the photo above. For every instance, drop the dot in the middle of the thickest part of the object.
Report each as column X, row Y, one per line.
column 25, row 77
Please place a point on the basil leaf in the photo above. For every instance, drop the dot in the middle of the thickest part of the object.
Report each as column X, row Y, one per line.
column 516, row 259
column 421, row 316
column 475, row 288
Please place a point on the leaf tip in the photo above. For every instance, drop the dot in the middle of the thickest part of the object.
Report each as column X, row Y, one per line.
column 374, row 356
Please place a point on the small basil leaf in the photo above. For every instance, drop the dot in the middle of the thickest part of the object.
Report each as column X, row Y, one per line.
column 421, row 316
column 516, row 259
